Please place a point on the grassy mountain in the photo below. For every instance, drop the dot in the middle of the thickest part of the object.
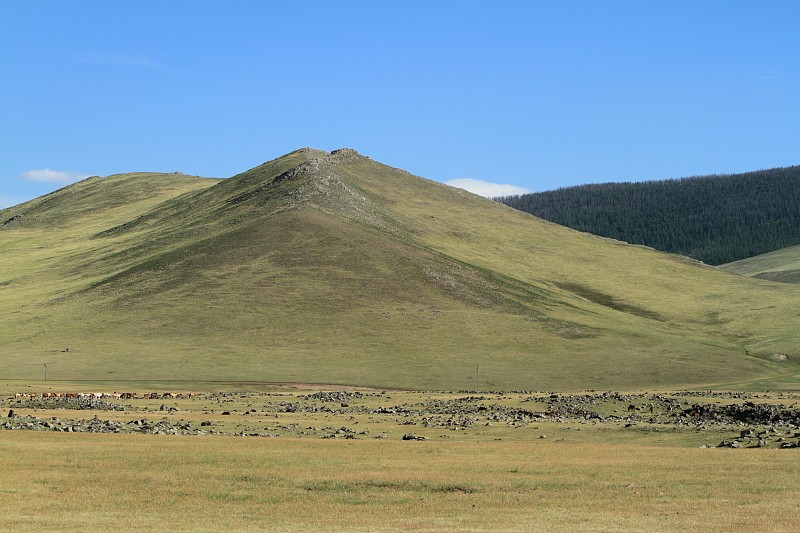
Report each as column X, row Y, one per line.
column 714, row 219
column 781, row 265
column 335, row 268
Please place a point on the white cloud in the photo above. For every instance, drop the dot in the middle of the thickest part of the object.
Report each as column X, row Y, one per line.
column 53, row 176
column 487, row 188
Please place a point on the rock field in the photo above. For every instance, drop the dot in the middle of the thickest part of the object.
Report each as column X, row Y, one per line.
column 743, row 420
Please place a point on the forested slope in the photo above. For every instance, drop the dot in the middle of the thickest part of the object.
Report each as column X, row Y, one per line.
column 715, row 219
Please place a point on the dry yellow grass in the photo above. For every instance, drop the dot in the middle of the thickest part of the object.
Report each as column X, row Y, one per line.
column 133, row 483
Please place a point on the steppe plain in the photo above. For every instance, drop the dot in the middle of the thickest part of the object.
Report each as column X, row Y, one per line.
column 457, row 342
column 301, row 457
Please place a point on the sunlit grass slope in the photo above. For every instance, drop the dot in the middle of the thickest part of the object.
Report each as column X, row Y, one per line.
column 335, row 268
column 781, row 265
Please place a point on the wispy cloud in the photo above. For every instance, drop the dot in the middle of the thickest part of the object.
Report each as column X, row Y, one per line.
column 772, row 75
column 53, row 176
column 487, row 188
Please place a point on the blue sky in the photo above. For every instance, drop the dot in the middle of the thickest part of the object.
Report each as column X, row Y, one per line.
column 537, row 95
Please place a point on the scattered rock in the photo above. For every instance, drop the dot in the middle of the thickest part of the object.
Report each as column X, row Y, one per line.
column 15, row 218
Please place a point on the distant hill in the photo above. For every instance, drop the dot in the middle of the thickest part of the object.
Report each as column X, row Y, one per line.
column 334, row 268
column 714, row 219
column 781, row 265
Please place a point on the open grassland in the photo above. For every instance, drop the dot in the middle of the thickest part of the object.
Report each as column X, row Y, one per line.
column 304, row 458
column 55, row 482
column 132, row 483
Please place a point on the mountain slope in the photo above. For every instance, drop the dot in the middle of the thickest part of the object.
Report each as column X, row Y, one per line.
column 781, row 265
column 714, row 219
column 335, row 268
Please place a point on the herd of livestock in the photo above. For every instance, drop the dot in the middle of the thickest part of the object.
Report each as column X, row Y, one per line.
column 105, row 395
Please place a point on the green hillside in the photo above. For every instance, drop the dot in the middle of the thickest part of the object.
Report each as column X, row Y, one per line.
column 781, row 265
column 714, row 219
column 334, row 268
